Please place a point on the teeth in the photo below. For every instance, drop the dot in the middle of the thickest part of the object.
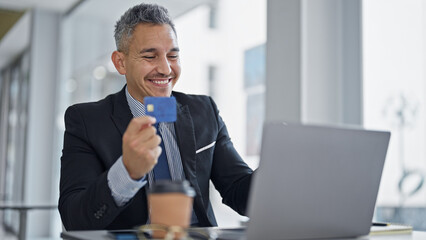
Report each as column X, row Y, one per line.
column 161, row 81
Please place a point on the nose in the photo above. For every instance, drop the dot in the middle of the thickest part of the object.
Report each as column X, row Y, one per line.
column 163, row 66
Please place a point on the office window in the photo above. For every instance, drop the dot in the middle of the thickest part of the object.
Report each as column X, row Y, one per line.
column 212, row 77
column 254, row 85
column 394, row 98
column 13, row 122
column 213, row 16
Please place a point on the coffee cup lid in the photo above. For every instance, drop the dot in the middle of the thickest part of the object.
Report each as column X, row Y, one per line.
column 166, row 186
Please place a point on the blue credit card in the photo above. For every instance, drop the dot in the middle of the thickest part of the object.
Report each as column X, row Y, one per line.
column 162, row 108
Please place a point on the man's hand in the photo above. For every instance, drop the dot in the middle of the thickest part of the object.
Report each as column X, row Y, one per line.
column 140, row 147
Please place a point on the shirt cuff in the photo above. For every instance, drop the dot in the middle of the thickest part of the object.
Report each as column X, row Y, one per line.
column 122, row 186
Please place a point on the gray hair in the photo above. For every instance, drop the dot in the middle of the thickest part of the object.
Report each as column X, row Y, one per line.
column 142, row 13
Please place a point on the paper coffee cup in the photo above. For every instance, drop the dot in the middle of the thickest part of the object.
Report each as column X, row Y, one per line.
column 170, row 204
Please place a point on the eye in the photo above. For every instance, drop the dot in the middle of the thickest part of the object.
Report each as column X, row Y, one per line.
column 148, row 57
column 173, row 56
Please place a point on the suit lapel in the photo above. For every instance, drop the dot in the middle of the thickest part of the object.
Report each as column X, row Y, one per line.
column 185, row 135
column 186, row 140
column 121, row 114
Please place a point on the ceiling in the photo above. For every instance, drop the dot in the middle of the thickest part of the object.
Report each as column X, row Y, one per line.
column 15, row 22
column 54, row 5
column 8, row 18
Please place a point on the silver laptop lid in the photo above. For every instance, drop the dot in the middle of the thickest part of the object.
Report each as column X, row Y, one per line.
column 315, row 182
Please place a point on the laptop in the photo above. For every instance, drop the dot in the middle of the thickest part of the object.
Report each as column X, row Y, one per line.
column 315, row 182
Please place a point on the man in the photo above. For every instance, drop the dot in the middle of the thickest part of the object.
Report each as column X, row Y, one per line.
column 111, row 148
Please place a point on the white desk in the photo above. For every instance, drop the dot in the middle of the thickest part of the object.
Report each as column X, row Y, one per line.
column 103, row 234
column 414, row 236
column 23, row 208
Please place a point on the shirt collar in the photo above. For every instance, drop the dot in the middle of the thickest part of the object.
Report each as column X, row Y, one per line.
column 137, row 108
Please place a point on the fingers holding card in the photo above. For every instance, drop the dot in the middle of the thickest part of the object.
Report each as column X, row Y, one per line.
column 140, row 147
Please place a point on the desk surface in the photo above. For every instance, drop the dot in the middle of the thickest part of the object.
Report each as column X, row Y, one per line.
column 103, row 234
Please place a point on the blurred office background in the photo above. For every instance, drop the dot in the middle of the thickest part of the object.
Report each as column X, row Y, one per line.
column 314, row 61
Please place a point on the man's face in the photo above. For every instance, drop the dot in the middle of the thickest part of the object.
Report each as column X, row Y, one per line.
column 152, row 65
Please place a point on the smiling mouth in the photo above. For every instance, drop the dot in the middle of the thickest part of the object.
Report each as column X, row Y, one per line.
column 161, row 82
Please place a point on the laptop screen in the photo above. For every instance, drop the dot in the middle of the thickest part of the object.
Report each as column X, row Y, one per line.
column 315, row 182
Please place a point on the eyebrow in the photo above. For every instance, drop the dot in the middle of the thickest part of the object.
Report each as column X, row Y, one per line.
column 176, row 49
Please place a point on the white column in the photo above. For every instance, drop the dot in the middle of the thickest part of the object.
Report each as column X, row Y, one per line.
column 283, row 60
column 352, row 55
column 41, row 119
column 314, row 71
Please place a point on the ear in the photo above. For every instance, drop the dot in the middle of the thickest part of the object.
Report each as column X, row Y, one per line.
column 119, row 62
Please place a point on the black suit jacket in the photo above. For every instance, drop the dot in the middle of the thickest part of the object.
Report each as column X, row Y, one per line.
column 93, row 142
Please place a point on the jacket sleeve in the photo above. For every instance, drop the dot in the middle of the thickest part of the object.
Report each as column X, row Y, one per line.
column 230, row 174
column 85, row 199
